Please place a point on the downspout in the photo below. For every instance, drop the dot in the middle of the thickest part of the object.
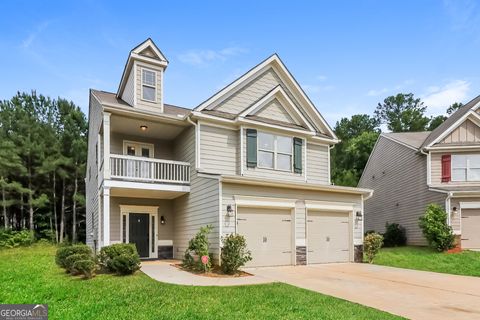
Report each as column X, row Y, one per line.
column 330, row 147
column 448, row 207
column 197, row 147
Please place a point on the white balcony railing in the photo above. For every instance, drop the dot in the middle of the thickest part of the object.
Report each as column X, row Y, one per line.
column 149, row 169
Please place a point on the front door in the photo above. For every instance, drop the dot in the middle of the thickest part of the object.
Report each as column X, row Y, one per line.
column 139, row 232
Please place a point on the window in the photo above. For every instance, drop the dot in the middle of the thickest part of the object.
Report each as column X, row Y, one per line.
column 274, row 152
column 149, row 85
column 138, row 149
column 466, row 167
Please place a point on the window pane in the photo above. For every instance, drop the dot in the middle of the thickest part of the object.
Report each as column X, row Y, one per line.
column 284, row 144
column 148, row 77
column 265, row 159
column 148, row 93
column 131, row 150
column 459, row 161
column 459, row 174
column 474, row 175
column 265, row 141
column 284, row 162
column 146, row 152
column 474, row 161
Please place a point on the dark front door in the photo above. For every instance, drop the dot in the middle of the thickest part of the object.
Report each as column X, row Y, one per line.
column 138, row 232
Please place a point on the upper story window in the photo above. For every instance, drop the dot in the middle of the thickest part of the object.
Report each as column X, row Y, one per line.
column 466, row 167
column 275, row 152
column 138, row 149
column 149, row 85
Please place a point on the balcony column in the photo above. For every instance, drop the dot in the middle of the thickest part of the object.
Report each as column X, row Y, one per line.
column 106, row 145
column 106, row 216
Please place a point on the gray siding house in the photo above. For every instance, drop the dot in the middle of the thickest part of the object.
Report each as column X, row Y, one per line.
column 253, row 159
column 410, row 170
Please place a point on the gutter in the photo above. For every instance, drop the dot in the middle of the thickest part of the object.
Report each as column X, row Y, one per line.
column 197, row 143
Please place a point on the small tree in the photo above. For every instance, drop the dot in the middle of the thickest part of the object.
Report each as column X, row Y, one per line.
column 394, row 236
column 435, row 228
column 199, row 245
column 234, row 253
column 371, row 245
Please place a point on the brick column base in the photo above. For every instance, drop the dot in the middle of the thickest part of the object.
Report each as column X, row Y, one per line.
column 301, row 255
column 358, row 253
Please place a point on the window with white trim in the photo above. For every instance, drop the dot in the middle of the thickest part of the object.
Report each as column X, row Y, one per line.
column 149, row 85
column 465, row 167
column 275, row 152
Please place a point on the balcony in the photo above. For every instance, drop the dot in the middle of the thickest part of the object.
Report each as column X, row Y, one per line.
column 152, row 170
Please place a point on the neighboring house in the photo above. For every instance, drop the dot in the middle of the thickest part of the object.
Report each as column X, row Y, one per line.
column 252, row 159
column 410, row 170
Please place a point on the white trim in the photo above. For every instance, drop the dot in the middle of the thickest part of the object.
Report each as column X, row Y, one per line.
column 242, row 157
column 152, row 211
column 278, row 90
column 106, row 145
column 149, row 43
column 470, row 205
column 438, row 149
column 251, row 201
column 262, row 124
column 455, row 125
column 106, row 216
column 150, row 146
column 306, row 164
column 220, row 219
column 146, row 186
column 329, row 164
column 429, row 168
column 329, row 205
column 198, row 141
column 142, row 69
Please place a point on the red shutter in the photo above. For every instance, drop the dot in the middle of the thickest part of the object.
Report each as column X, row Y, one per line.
column 446, row 167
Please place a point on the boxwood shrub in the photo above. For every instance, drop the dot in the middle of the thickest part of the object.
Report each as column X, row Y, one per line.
column 121, row 258
column 65, row 251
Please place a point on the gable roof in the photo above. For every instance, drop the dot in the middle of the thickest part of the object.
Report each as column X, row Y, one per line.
column 452, row 120
column 412, row 139
column 275, row 62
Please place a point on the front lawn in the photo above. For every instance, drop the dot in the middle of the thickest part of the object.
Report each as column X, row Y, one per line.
column 466, row 263
column 29, row 275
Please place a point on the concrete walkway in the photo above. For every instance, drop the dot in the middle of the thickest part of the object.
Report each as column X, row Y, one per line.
column 408, row 293
column 164, row 271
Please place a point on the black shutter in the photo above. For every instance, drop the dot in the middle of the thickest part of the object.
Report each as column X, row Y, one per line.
column 251, row 148
column 297, row 155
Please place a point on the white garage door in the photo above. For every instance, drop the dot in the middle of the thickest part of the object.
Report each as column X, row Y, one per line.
column 470, row 228
column 328, row 237
column 269, row 235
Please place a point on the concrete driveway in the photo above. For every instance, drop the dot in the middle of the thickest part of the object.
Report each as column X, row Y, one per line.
column 408, row 293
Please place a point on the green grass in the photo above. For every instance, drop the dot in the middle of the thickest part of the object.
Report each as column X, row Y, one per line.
column 466, row 263
column 29, row 275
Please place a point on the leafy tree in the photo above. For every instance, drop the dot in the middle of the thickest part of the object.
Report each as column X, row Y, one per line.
column 435, row 122
column 454, row 107
column 402, row 113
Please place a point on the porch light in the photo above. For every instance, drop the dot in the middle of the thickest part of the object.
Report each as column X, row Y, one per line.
column 162, row 220
column 454, row 210
column 229, row 210
column 143, row 128
column 358, row 215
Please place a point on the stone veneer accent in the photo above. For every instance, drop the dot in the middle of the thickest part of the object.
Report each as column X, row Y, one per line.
column 301, row 255
column 358, row 253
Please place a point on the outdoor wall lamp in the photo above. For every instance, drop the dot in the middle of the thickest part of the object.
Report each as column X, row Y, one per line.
column 358, row 215
column 229, row 210
column 143, row 128
column 454, row 211
column 162, row 220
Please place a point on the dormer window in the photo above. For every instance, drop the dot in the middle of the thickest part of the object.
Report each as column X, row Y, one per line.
column 149, row 85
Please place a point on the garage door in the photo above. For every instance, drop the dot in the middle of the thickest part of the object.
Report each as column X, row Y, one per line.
column 471, row 228
column 269, row 235
column 328, row 237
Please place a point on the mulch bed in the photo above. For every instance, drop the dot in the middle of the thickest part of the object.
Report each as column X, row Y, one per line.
column 215, row 272
column 455, row 250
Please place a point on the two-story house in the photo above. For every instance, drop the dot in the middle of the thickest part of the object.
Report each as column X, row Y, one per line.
column 253, row 159
column 410, row 170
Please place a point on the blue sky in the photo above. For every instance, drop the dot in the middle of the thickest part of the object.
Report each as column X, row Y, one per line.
column 348, row 55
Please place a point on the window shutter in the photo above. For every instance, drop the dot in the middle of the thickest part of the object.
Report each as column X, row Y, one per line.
column 446, row 167
column 251, row 148
column 297, row 155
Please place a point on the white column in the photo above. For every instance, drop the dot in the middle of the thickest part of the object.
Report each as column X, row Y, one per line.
column 106, row 145
column 106, row 216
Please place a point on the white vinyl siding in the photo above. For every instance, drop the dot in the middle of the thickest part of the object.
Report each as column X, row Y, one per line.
column 275, row 111
column 219, row 150
column 467, row 132
column 128, row 94
column 317, row 164
column 465, row 167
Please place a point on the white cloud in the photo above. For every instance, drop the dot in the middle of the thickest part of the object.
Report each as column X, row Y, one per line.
column 27, row 42
column 398, row 87
column 204, row 57
column 438, row 98
column 374, row 93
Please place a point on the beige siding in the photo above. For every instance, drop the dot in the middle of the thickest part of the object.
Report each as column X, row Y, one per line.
column 398, row 176
column 198, row 208
column 274, row 110
column 317, row 164
column 153, row 106
column 436, row 168
column 229, row 190
column 162, row 149
column 92, row 194
column 467, row 132
column 456, row 218
column 218, row 150
column 128, row 94
column 165, row 208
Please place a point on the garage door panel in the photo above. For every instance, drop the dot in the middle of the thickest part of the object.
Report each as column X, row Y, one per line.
column 328, row 237
column 471, row 228
column 268, row 233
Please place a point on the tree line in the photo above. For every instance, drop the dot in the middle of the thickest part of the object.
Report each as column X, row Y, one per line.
column 358, row 134
column 43, row 151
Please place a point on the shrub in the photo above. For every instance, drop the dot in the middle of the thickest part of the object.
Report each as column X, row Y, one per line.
column 435, row 228
column 199, row 246
column 73, row 258
column 10, row 238
column 121, row 258
column 394, row 236
column 234, row 253
column 86, row 267
column 371, row 245
column 64, row 251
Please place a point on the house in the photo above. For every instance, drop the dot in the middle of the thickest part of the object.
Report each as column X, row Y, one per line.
column 252, row 159
column 410, row 170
